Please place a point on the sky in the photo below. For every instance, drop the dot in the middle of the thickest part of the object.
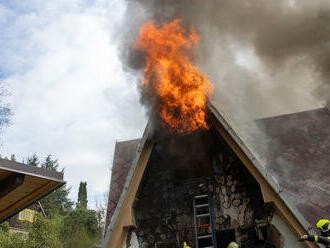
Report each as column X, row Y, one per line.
column 67, row 89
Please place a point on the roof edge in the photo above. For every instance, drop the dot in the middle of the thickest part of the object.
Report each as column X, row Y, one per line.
column 230, row 128
column 31, row 170
column 147, row 136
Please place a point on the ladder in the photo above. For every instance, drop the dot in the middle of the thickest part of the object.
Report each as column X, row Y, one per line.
column 203, row 217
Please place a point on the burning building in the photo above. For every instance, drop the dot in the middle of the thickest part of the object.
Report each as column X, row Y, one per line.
column 160, row 185
column 193, row 177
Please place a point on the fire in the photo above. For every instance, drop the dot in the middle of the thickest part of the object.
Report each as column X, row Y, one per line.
column 181, row 89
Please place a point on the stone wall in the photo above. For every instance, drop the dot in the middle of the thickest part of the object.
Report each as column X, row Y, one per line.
column 164, row 204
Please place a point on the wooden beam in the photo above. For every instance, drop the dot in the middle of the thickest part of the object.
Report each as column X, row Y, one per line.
column 125, row 217
column 10, row 183
column 33, row 195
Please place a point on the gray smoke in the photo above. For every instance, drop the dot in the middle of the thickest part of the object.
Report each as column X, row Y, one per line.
column 264, row 57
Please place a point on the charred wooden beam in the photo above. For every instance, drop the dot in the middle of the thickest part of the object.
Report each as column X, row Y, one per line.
column 10, row 183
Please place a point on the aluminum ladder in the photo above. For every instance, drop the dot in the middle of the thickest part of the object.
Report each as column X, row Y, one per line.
column 203, row 217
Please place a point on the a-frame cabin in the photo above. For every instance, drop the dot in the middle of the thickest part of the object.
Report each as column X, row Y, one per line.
column 153, row 196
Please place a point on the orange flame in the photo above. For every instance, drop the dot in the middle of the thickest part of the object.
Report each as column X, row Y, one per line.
column 180, row 87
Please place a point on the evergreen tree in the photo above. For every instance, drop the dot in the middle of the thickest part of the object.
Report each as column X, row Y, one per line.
column 81, row 227
column 12, row 157
column 50, row 164
column 33, row 160
column 57, row 202
column 82, row 195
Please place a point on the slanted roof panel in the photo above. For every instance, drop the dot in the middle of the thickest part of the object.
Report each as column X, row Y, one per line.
column 28, row 185
column 12, row 166
column 123, row 157
column 297, row 154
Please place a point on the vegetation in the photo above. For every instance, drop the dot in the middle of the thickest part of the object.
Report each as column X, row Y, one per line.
column 44, row 233
column 82, row 195
column 63, row 226
column 12, row 240
column 5, row 110
column 58, row 202
column 81, row 228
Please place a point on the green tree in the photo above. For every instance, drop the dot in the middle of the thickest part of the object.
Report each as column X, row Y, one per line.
column 11, row 240
column 12, row 157
column 81, row 228
column 58, row 201
column 44, row 233
column 82, row 195
column 4, row 226
column 51, row 164
column 33, row 160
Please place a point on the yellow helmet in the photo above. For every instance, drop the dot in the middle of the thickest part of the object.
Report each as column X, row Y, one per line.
column 323, row 224
column 233, row 245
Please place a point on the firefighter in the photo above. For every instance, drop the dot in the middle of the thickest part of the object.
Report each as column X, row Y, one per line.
column 324, row 226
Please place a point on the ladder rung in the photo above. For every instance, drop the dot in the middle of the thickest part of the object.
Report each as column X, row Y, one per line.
column 202, row 215
column 204, row 236
column 203, row 225
column 200, row 196
column 201, row 205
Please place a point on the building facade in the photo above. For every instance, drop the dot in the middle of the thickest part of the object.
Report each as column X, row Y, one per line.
column 156, row 207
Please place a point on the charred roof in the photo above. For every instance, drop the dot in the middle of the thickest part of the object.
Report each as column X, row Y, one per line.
column 296, row 152
column 297, row 155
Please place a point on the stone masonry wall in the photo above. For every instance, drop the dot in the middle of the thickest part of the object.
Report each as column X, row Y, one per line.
column 164, row 204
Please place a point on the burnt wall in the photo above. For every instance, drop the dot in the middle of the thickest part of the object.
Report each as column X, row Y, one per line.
column 164, row 203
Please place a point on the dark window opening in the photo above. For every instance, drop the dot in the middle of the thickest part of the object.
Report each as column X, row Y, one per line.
column 225, row 237
column 205, row 242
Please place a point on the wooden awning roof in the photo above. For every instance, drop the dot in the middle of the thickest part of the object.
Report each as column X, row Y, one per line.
column 21, row 185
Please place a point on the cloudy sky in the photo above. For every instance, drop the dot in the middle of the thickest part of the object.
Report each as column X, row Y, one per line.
column 68, row 92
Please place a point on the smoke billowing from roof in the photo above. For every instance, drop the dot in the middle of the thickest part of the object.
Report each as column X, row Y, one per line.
column 264, row 57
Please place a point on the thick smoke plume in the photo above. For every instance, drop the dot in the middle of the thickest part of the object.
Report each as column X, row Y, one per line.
column 264, row 57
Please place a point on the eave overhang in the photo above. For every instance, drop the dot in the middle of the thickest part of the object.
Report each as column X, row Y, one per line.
column 22, row 185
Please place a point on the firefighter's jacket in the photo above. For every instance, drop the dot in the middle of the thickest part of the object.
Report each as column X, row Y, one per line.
column 319, row 239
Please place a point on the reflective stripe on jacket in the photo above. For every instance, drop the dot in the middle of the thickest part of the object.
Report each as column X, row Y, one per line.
column 319, row 239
